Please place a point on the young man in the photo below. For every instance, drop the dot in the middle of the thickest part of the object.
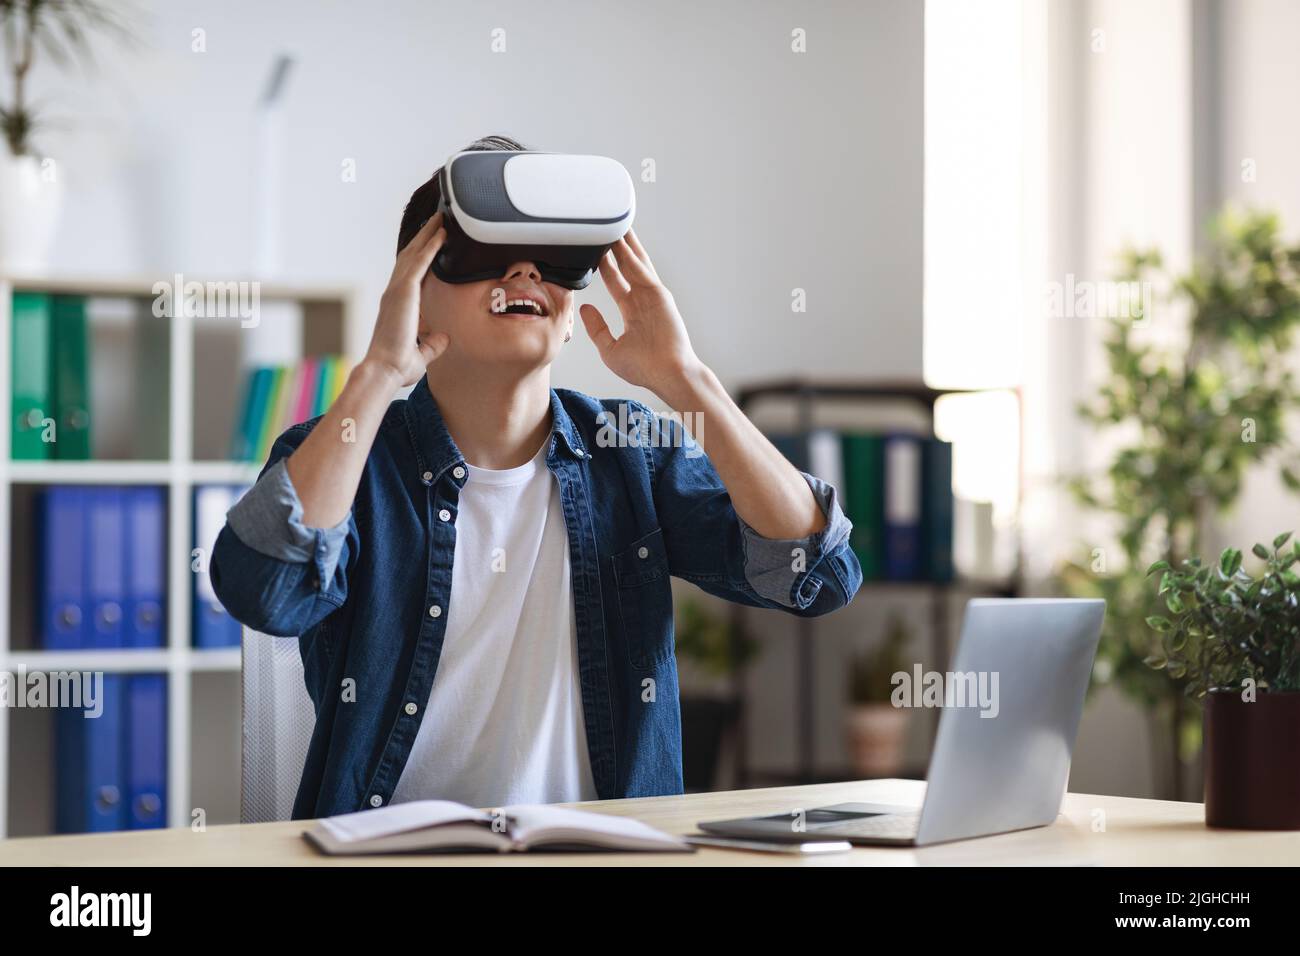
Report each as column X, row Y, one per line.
column 479, row 574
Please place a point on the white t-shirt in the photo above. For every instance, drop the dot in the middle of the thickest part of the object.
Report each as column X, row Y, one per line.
column 504, row 721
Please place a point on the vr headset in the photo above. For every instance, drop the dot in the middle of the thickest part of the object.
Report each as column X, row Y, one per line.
column 561, row 212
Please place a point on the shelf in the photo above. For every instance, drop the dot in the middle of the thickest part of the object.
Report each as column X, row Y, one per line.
column 124, row 660
column 222, row 472
column 142, row 287
column 91, row 472
column 169, row 389
column 133, row 472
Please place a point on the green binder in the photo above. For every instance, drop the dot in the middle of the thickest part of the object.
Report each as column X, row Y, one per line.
column 864, row 495
column 70, row 376
column 30, row 365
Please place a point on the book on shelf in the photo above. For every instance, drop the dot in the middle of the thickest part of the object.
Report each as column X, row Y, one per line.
column 101, row 570
column 896, row 489
column 276, row 397
column 50, row 378
column 111, row 769
column 434, row 826
column 213, row 626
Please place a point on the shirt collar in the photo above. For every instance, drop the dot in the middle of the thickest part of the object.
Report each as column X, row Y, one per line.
column 436, row 451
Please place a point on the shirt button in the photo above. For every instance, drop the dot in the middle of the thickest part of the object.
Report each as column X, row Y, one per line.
column 458, row 471
column 427, row 476
column 411, row 709
column 376, row 801
column 435, row 611
column 643, row 552
column 444, row 515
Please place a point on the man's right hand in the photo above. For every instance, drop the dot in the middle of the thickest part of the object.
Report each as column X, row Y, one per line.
column 402, row 345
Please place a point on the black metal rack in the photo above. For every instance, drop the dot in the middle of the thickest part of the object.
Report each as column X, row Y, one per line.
column 806, row 394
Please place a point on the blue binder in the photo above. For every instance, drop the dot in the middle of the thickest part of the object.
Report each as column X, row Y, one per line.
column 144, row 611
column 213, row 626
column 89, row 765
column 938, row 511
column 903, row 560
column 105, row 573
column 61, row 521
column 146, row 751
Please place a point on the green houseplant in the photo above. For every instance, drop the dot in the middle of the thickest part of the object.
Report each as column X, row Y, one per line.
column 876, row 729
column 1190, row 414
column 1232, row 639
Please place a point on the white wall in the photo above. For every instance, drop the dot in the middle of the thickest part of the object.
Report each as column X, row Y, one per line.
column 775, row 170
column 1260, row 76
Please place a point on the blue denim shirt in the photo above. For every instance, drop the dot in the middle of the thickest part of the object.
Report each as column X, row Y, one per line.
column 368, row 598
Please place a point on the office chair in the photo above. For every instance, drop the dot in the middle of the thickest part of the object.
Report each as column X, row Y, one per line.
column 277, row 719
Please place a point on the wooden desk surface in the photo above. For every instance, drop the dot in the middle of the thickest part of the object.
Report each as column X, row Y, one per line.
column 1137, row 832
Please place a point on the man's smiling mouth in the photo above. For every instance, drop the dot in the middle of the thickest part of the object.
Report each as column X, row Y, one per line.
column 522, row 307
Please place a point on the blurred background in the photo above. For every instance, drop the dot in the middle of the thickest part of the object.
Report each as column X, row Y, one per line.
column 1017, row 276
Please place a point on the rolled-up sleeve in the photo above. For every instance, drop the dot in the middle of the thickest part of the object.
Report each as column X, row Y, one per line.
column 269, row 570
column 777, row 569
column 710, row 545
column 268, row 519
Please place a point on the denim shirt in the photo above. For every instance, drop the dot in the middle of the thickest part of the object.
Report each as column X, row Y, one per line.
column 368, row 598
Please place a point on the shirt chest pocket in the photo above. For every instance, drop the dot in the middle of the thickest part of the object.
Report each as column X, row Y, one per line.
column 645, row 600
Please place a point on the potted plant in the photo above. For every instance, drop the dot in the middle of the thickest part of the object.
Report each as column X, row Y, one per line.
column 877, row 730
column 30, row 189
column 1233, row 640
column 1188, row 416
column 712, row 653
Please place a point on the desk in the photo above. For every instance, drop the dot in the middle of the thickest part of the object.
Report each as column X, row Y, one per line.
column 1137, row 832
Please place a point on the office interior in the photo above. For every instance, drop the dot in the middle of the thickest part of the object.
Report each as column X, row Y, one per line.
column 878, row 218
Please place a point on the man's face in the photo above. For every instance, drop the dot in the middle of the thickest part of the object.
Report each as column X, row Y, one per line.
column 515, row 320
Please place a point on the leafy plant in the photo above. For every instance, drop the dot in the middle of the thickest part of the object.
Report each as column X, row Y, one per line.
column 710, row 641
column 59, row 28
column 1191, row 418
column 1229, row 626
column 871, row 674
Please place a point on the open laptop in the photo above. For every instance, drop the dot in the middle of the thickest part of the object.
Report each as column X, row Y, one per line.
column 1025, row 664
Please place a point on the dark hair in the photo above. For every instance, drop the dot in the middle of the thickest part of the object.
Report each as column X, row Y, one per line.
column 424, row 201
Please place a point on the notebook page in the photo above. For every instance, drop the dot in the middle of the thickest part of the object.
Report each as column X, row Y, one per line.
column 531, row 821
column 399, row 818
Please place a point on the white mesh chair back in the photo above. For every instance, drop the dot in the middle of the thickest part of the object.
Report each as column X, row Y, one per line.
column 278, row 718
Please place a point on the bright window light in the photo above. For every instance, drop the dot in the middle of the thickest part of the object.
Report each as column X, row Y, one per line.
column 974, row 290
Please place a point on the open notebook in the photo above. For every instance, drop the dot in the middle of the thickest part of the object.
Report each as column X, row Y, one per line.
column 432, row 826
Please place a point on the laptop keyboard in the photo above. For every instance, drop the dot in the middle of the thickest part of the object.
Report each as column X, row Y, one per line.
column 887, row 825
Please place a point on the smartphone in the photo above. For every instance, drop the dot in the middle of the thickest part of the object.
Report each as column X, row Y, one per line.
column 760, row 846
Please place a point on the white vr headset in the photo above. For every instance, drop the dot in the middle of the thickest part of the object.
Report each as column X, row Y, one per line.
column 556, row 210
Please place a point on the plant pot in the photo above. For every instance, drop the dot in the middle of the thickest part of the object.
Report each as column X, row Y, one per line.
column 1252, row 761
column 877, row 734
column 30, row 200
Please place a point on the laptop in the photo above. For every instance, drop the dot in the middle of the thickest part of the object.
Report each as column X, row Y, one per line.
column 1001, row 758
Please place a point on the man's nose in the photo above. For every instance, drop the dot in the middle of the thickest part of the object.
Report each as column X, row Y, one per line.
column 525, row 269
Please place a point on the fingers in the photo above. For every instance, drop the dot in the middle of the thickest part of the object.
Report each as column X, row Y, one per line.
column 419, row 252
column 641, row 254
column 596, row 328
column 614, row 281
column 633, row 269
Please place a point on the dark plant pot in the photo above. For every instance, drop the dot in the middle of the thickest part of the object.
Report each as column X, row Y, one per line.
column 1252, row 761
column 705, row 722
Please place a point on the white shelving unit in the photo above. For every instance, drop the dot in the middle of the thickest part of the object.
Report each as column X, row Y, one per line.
column 325, row 313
